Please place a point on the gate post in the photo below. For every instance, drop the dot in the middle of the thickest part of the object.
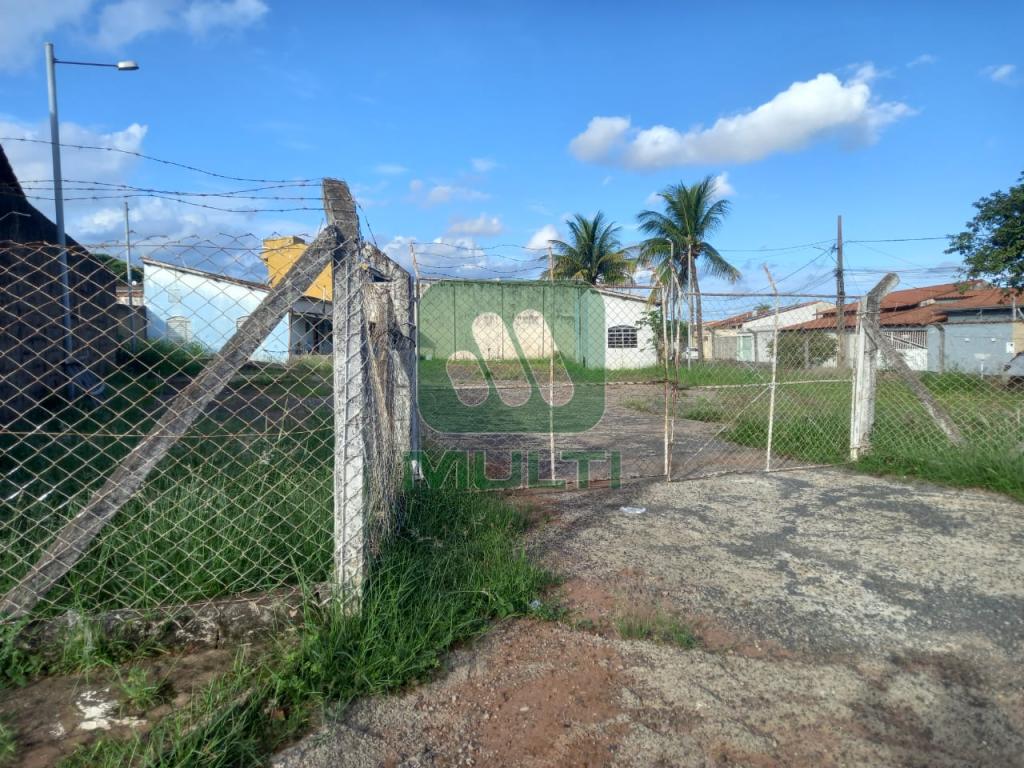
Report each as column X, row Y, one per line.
column 349, row 358
column 865, row 369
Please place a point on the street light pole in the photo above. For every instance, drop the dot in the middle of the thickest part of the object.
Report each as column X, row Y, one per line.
column 58, row 200
column 58, row 208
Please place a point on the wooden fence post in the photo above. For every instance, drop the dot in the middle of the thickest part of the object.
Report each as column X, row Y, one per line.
column 865, row 370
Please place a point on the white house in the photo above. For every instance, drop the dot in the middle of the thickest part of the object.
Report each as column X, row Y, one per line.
column 629, row 339
column 747, row 337
column 190, row 306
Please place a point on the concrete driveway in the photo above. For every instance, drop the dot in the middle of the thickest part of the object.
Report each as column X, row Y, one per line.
column 841, row 620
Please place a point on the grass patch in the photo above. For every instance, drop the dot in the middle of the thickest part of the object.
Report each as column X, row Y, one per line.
column 8, row 745
column 457, row 565
column 141, row 691
column 240, row 503
column 812, row 424
column 655, row 626
column 159, row 357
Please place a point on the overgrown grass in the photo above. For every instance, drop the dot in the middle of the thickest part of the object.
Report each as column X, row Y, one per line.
column 655, row 626
column 456, row 566
column 241, row 503
column 140, row 691
column 158, row 357
column 812, row 423
column 8, row 746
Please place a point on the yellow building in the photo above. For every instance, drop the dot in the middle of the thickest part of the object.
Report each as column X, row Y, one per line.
column 309, row 321
column 280, row 253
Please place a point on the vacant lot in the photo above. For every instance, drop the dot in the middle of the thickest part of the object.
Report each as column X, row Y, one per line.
column 840, row 620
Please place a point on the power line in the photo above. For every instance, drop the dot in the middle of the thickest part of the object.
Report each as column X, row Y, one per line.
column 152, row 159
column 901, row 239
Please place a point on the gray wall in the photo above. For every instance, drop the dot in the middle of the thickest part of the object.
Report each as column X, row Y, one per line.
column 971, row 346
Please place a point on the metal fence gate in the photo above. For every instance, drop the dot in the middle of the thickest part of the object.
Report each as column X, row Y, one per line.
column 532, row 383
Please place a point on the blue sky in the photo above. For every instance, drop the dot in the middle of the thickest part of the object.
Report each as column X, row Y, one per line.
column 473, row 124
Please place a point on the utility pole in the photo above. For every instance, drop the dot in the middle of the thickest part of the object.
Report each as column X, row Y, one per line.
column 128, row 277
column 551, row 365
column 840, row 298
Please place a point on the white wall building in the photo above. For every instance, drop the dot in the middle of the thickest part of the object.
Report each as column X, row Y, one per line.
column 191, row 306
column 629, row 338
column 747, row 337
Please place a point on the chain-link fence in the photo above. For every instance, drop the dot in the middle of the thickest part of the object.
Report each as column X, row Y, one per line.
column 527, row 383
column 539, row 382
column 223, row 418
column 760, row 387
column 946, row 397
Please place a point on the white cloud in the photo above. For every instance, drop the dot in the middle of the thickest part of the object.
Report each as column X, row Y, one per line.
column 205, row 16
column 125, row 20
column 923, row 59
column 603, row 135
column 443, row 193
column 606, row 181
column 97, row 216
column 722, row 186
column 804, row 112
column 25, row 25
column 391, row 169
column 483, row 164
column 653, row 199
column 1000, row 73
column 543, row 237
column 440, row 256
column 32, row 161
column 482, row 226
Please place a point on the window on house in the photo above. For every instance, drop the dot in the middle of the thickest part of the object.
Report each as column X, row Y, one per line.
column 174, row 295
column 622, row 337
column 179, row 329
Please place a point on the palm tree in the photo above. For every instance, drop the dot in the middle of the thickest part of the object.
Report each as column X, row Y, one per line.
column 593, row 254
column 691, row 215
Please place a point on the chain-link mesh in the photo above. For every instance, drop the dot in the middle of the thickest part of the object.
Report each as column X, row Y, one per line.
column 242, row 502
column 761, row 385
column 534, row 382
column 949, row 398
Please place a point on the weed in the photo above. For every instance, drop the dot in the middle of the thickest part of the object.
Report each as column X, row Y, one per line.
column 456, row 565
column 8, row 746
column 585, row 625
column 655, row 626
column 140, row 691
column 17, row 666
column 548, row 611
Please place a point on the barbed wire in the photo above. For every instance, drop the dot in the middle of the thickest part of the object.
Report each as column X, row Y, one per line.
column 151, row 158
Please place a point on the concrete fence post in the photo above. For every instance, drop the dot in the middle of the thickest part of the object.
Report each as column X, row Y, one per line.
column 349, row 368
column 865, row 369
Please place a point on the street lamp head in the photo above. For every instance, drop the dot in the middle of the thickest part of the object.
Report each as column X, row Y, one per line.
column 127, row 66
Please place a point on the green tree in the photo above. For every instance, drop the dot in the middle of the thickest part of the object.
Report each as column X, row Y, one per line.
column 118, row 267
column 594, row 253
column 992, row 246
column 691, row 215
column 804, row 349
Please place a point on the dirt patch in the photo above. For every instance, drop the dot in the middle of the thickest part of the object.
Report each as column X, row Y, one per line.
column 54, row 715
column 838, row 624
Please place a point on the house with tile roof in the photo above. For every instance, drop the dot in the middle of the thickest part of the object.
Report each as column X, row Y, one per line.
column 919, row 323
column 746, row 337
